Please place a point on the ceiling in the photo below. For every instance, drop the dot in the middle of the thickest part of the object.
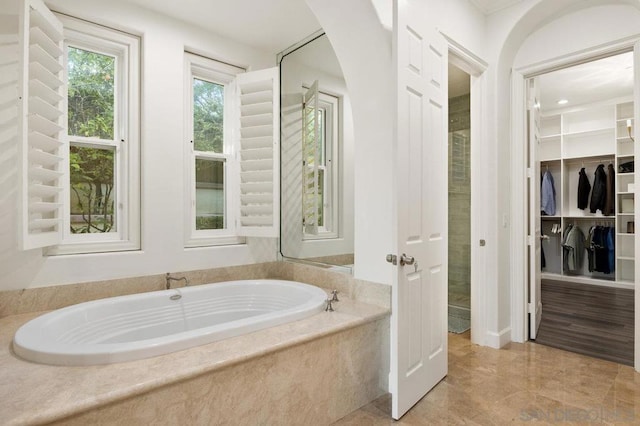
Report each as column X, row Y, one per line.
column 270, row 25
column 600, row 80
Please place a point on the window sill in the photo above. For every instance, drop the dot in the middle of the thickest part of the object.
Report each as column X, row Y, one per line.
column 214, row 241
column 321, row 236
column 92, row 248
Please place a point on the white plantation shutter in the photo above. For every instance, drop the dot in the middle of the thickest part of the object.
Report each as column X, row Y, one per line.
column 259, row 101
column 310, row 159
column 41, row 125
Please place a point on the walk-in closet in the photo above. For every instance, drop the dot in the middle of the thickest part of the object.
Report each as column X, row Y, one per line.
column 586, row 155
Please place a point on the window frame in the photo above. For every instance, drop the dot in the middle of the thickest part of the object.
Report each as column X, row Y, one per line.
column 329, row 105
column 210, row 70
column 125, row 48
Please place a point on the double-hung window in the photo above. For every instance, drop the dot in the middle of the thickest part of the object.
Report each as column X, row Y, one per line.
column 231, row 155
column 328, row 166
column 321, row 164
column 210, row 156
column 102, row 194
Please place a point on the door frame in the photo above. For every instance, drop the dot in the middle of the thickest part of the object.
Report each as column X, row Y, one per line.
column 518, row 210
column 475, row 67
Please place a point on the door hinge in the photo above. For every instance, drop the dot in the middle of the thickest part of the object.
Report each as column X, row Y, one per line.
column 529, row 308
column 530, row 240
column 529, row 172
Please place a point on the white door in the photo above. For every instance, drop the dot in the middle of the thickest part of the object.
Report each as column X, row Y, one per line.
column 419, row 297
column 534, row 234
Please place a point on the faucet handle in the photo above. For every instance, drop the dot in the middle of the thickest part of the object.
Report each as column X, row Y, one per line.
column 328, row 308
column 334, row 296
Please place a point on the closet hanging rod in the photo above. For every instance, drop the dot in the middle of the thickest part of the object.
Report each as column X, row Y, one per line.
column 604, row 161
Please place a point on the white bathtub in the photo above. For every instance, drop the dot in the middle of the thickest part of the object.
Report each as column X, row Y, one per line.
column 143, row 325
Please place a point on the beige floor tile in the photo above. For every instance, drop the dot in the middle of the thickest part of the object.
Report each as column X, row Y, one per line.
column 519, row 384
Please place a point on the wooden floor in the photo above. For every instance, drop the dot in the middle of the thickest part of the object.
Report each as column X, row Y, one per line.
column 591, row 320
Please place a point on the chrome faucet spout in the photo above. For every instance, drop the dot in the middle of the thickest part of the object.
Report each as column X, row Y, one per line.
column 169, row 278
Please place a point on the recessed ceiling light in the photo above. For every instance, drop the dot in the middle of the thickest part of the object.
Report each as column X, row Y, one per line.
column 563, row 102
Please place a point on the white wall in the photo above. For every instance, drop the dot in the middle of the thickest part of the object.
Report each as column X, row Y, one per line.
column 294, row 75
column 363, row 48
column 576, row 31
column 163, row 43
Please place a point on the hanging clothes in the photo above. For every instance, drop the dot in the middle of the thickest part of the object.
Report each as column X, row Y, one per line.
column 584, row 187
column 610, row 197
column 548, row 194
column 591, row 253
column 599, row 191
column 611, row 248
column 573, row 249
column 601, row 249
column 565, row 257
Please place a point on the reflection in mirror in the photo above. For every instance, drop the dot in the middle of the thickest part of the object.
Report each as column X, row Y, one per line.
column 317, row 157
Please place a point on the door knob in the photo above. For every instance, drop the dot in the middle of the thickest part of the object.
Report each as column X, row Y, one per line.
column 406, row 260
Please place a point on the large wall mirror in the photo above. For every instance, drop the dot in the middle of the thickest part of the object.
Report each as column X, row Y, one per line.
column 317, row 148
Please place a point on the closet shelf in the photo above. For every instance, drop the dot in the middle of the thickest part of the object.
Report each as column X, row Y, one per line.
column 603, row 158
column 601, row 130
column 590, row 217
column 551, row 217
column 626, row 214
column 627, row 258
column 626, row 192
column 625, row 234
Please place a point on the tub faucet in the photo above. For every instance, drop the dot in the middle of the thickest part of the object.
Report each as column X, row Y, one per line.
column 330, row 299
column 169, row 278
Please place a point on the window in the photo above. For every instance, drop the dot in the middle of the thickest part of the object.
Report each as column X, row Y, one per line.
column 103, row 197
column 231, row 155
column 328, row 168
column 210, row 156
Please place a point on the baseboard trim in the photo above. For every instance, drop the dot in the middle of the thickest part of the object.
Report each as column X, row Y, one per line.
column 498, row 340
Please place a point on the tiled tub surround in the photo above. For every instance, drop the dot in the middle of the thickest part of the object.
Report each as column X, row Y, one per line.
column 315, row 370
column 48, row 298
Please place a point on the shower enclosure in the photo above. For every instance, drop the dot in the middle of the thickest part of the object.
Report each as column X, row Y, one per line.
column 459, row 214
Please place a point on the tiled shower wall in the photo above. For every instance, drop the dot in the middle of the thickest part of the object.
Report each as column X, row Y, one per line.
column 459, row 201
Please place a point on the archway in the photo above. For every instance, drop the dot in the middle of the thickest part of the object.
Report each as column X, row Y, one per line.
column 510, row 103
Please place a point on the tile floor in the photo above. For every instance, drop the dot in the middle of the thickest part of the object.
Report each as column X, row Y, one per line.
column 519, row 384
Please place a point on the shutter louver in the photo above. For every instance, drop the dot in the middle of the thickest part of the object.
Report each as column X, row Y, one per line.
column 259, row 153
column 310, row 159
column 41, row 125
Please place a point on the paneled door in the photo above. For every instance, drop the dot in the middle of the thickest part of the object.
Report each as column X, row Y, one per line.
column 419, row 295
column 535, row 234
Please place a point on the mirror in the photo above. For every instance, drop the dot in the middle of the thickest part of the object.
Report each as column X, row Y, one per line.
column 316, row 157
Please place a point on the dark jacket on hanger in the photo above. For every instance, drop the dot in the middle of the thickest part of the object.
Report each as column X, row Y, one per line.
column 599, row 192
column 611, row 183
column 584, row 187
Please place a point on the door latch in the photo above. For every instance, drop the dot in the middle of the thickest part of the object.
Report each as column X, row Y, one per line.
column 406, row 260
column 392, row 258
